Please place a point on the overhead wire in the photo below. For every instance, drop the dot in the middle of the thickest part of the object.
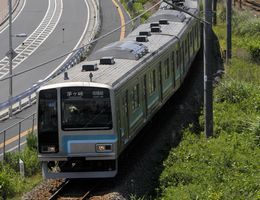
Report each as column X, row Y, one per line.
column 83, row 46
column 104, row 36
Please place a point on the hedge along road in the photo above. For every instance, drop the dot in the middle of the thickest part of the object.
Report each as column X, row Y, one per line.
column 12, row 137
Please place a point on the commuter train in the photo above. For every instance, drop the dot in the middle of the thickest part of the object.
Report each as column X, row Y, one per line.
column 88, row 115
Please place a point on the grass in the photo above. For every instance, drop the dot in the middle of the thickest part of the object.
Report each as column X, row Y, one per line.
column 12, row 184
column 28, row 185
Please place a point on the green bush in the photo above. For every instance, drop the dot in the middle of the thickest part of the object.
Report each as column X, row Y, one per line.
column 32, row 140
column 251, row 44
column 244, row 24
column 136, row 8
column 245, row 29
column 244, row 71
column 30, row 159
column 221, row 13
column 226, row 167
column 254, row 50
column 241, row 96
column 232, row 91
column 31, row 162
column 10, row 181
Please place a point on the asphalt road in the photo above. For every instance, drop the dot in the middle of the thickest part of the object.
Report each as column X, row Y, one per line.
column 72, row 21
column 26, row 22
column 110, row 20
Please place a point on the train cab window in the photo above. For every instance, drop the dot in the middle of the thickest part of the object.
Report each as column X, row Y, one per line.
column 48, row 121
column 167, row 68
column 47, row 112
column 85, row 108
column 152, row 81
column 135, row 97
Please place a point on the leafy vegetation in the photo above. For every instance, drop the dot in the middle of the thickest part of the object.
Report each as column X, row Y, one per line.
column 11, row 182
column 136, row 7
column 246, row 29
column 227, row 165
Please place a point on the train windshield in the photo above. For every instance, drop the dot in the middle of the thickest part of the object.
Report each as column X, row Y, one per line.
column 85, row 108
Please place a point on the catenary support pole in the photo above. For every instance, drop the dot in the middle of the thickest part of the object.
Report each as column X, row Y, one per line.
column 214, row 8
column 228, row 20
column 10, row 54
column 208, row 63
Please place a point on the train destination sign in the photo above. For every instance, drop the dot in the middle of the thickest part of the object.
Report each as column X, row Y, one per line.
column 83, row 92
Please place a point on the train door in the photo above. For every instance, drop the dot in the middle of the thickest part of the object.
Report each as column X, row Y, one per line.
column 125, row 118
column 181, row 61
column 173, row 68
column 145, row 96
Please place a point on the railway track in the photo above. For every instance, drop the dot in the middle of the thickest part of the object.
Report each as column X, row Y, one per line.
column 71, row 189
column 253, row 5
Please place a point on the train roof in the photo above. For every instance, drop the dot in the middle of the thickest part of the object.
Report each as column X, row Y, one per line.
column 128, row 54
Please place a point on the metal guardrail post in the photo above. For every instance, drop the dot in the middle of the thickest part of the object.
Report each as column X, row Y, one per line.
column 19, row 142
column 19, row 124
column 30, row 99
column 20, row 105
column 4, row 146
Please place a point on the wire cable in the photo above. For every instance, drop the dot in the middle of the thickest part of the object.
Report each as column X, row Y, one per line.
column 85, row 45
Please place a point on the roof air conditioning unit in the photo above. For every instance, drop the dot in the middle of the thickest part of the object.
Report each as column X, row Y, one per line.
column 154, row 24
column 155, row 29
column 107, row 61
column 142, row 39
column 163, row 21
column 89, row 67
column 147, row 33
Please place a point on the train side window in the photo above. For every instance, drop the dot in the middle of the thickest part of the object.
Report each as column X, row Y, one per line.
column 152, row 81
column 177, row 59
column 186, row 44
column 182, row 53
column 173, row 61
column 135, row 97
column 196, row 35
column 167, row 68
column 190, row 39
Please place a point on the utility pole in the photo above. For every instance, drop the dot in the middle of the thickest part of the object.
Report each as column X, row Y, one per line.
column 228, row 21
column 214, row 8
column 208, row 88
column 10, row 54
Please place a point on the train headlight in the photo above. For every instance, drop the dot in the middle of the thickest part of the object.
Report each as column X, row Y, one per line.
column 48, row 149
column 103, row 148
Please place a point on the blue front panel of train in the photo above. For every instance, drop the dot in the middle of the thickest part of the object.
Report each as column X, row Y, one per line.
column 84, row 144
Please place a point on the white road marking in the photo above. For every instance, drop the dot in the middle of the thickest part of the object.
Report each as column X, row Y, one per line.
column 80, row 40
column 42, row 32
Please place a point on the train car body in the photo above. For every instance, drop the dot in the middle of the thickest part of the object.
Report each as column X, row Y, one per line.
column 89, row 116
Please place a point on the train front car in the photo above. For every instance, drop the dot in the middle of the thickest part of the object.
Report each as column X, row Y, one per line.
column 88, row 117
column 76, row 138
